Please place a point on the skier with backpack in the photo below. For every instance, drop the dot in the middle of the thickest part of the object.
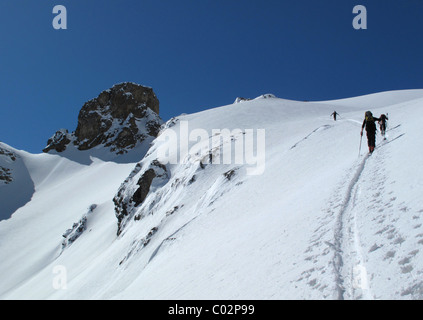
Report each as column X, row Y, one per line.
column 382, row 123
column 369, row 124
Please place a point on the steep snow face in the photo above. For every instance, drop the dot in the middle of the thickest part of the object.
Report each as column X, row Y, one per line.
column 64, row 193
column 16, row 186
column 319, row 222
column 7, row 158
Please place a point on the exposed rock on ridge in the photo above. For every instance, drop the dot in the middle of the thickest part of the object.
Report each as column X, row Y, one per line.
column 5, row 172
column 119, row 118
column 132, row 195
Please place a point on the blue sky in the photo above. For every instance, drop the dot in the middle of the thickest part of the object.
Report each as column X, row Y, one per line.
column 196, row 54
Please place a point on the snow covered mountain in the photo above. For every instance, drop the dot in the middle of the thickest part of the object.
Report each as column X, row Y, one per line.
column 209, row 212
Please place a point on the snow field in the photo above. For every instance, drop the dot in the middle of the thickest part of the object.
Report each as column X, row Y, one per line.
column 319, row 223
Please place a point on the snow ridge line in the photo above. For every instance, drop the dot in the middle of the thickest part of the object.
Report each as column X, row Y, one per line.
column 338, row 260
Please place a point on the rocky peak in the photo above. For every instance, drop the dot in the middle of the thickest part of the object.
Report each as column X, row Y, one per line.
column 241, row 99
column 119, row 118
column 263, row 96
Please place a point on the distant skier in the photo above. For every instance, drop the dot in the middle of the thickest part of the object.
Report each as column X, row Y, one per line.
column 369, row 123
column 334, row 114
column 382, row 123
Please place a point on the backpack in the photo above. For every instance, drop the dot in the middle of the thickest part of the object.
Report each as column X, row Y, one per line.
column 370, row 122
column 369, row 116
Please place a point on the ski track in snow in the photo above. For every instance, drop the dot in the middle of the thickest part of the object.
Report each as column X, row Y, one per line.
column 360, row 236
column 324, row 127
column 351, row 278
column 349, row 265
column 351, row 275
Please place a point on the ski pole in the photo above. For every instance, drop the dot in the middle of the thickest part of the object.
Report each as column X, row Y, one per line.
column 359, row 149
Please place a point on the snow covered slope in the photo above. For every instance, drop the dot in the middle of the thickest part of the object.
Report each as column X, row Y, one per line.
column 319, row 222
column 63, row 191
column 16, row 185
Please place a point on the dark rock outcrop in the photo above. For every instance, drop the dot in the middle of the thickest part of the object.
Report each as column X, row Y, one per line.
column 135, row 189
column 241, row 99
column 144, row 184
column 71, row 235
column 6, row 172
column 5, row 175
column 7, row 153
column 118, row 119
column 58, row 141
